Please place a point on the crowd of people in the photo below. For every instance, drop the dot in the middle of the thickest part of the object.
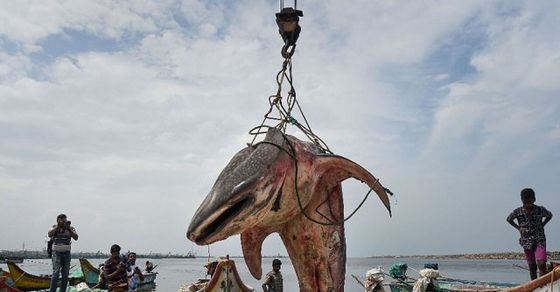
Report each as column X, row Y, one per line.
column 118, row 273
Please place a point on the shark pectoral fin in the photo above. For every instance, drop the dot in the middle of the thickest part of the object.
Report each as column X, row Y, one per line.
column 251, row 244
column 337, row 168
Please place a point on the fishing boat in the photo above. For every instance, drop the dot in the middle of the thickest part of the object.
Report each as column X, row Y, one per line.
column 91, row 275
column 25, row 281
column 224, row 278
column 447, row 287
column 430, row 277
column 547, row 282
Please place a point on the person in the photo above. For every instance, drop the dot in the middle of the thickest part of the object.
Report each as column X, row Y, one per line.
column 531, row 220
column 211, row 268
column 115, row 270
column 61, row 234
column 133, row 272
column 374, row 280
column 201, row 284
column 150, row 267
column 273, row 281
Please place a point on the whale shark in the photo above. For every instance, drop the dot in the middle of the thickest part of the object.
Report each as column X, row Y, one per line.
column 291, row 187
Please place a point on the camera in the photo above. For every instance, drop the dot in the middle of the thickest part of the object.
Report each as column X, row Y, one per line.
column 68, row 223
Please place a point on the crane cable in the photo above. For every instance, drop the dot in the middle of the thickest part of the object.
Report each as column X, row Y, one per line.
column 284, row 107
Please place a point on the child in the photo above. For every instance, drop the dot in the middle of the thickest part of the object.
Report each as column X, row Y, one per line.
column 530, row 225
column 273, row 281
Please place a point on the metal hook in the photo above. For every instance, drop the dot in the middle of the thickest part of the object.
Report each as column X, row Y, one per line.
column 288, row 27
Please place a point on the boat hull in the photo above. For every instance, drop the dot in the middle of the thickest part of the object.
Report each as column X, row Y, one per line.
column 224, row 278
column 25, row 281
column 446, row 287
column 91, row 273
column 5, row 286
column 548, row 282
column 28, row 282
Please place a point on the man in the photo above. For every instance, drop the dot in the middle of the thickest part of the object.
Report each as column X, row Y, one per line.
column 150, row 266
column 133, row 272
column 273, row 281
column 115, row 271
column 531, row 220
column 61, row 234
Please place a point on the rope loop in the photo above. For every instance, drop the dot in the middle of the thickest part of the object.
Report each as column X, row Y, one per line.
column 291, row 152
column 288, row 50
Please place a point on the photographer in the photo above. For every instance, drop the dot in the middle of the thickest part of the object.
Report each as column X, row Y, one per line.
column 61, row 234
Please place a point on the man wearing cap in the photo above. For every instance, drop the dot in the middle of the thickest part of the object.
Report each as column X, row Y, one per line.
column 61, row 234
column 273, row 281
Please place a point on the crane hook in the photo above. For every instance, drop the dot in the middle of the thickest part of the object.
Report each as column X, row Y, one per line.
column 288, row 24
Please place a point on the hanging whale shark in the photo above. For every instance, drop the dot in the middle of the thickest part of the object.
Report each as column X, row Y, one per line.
column 290, row 187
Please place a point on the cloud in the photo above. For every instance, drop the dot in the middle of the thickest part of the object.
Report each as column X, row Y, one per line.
column 142, row 103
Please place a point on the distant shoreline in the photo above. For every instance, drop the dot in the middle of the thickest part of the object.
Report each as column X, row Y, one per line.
column 474, row 256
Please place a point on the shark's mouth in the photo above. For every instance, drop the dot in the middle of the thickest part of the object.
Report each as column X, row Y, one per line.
column 224, row 218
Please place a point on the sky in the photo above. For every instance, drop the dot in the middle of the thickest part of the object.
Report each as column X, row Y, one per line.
column 121, row 114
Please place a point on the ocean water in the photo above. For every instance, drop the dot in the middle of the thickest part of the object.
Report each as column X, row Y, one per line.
column 175, row 272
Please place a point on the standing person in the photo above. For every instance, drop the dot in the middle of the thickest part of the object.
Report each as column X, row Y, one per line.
column 273, row 281
column 61, row 234
column 133, row 272
column 531, row 220
column 115, row 271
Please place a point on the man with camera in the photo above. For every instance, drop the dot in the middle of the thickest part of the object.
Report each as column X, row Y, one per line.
column 61, row 234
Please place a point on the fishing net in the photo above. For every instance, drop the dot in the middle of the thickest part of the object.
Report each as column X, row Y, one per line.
column 398, row 271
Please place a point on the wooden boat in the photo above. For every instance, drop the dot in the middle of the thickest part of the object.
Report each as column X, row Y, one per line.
column 224, row 278
column 5, row 274
column 25, row 281
column 91, row 275
column 447, row 287
column 548, row 282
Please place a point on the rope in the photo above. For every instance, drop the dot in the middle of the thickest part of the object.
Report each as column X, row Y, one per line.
column 292, row 153
column 283, row 114
column 22, row 274
column 282, row 117
column 552, row 280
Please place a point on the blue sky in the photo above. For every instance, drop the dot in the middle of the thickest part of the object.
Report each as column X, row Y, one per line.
column 122, row 114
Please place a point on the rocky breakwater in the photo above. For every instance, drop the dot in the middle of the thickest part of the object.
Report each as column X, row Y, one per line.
column 554, row 255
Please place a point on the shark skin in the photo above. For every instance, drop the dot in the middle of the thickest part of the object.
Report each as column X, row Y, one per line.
column 257, row 194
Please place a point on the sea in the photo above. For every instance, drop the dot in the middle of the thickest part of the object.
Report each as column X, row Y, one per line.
column 172, row 273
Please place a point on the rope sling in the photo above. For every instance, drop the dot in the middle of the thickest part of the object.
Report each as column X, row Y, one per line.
column 280, row 110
